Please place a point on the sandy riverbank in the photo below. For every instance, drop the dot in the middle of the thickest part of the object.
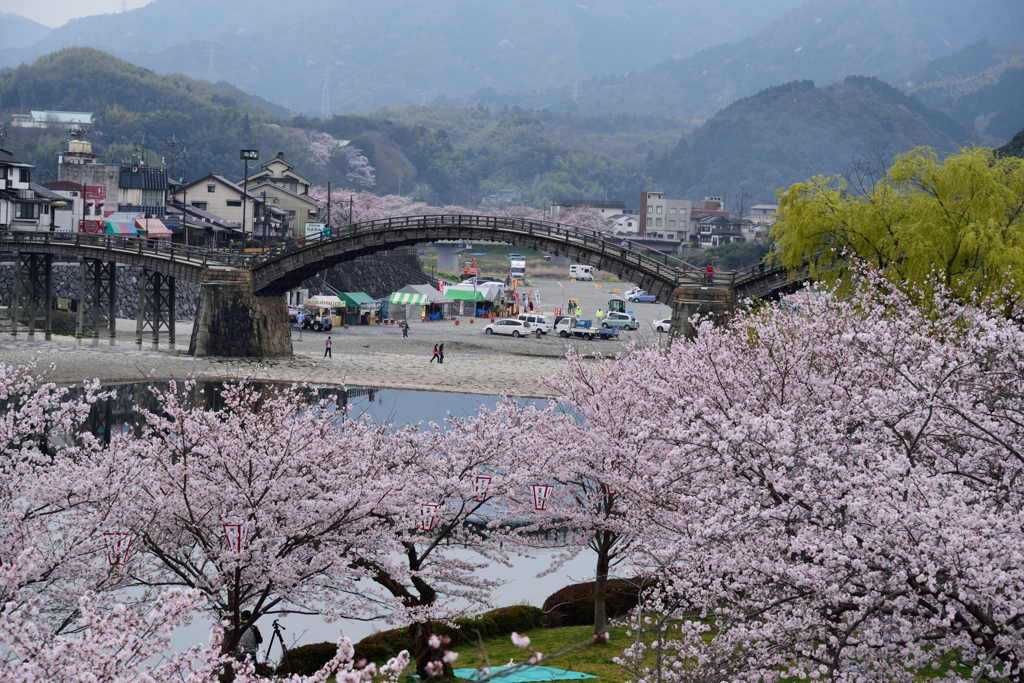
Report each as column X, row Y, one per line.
column 373, row 356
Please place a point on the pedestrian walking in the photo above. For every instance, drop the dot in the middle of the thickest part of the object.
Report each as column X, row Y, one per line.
column 440, row 355
column 434, row 357
column 599, row 315
column 711, row 274
column 625, row 247
column 405, row 330
column 579, row 312
column 299, row 318
column 327, row 348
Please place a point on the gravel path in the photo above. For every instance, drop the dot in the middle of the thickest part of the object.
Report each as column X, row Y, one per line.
column 375, row 356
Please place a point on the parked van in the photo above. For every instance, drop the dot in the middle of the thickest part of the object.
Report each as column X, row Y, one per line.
column 581, row 272
column 536, row 322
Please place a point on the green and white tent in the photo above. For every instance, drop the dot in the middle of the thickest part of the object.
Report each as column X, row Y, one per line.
column 409, row 299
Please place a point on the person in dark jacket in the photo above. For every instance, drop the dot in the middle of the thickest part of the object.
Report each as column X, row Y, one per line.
column 440, row 354
column 249, row 641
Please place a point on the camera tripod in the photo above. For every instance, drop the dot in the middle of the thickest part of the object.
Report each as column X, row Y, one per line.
column 285, row 658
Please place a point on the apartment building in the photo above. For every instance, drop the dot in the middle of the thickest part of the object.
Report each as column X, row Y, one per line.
column 664, row 219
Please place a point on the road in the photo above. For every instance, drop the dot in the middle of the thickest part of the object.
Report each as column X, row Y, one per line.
column 418, row 188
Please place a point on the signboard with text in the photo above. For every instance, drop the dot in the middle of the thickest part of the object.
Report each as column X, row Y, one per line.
column 91, row 227
column 94, row 191
column 315, row 228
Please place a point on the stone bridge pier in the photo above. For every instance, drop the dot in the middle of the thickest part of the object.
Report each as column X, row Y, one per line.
column 232, row 320
column 687, row 301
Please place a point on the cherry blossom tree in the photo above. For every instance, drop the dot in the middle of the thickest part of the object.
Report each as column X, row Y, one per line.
column 360, row 173
column 564, row 487
column 318, row 146
column 118, row 645
column 261, row 503
column 829, row 484
column 54, row 510
column 449, row 484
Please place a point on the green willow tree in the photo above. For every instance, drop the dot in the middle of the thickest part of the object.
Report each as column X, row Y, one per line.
column 961, row 218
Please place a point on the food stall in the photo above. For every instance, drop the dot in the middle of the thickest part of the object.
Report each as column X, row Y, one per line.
column 327, row 305
column 359, row 308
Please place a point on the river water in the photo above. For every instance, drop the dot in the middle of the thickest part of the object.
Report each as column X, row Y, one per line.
column 521, row 582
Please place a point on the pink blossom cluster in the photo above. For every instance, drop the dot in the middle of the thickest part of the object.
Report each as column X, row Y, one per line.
column 360, row 172
column 830, row 490
column 348, row 206
column 318, row 146
column 833, row 489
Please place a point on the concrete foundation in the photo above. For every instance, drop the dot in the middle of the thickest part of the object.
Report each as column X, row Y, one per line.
column 688, row 301
column 232, row 321
column 448, row 256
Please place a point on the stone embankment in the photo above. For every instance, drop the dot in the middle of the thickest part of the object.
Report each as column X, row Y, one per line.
column 65, row 286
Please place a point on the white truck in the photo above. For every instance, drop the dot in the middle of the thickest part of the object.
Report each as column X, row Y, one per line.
column 516, row 267
column 578, row 272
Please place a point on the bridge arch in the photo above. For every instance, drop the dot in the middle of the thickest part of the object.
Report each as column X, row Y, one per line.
column 284, row 267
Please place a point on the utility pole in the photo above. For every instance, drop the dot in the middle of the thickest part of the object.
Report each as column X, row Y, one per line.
column 174, row 144
column 184, row 192
column 328, row 203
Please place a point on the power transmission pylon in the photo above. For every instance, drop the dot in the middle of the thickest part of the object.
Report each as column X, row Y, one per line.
column 211, row 72
column 325, row 99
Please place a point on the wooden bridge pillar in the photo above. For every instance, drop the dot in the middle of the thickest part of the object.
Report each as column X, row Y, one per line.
column 688, row 301
column 155, row 308
column 233, row 321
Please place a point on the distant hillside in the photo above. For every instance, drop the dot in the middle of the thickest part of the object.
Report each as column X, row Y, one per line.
column 788, row 133
column 135, row 107
column 981, row 85
column 821, row 40
column 1015, row 147
column 17, row 31
column 394, row 52
column 130, row 103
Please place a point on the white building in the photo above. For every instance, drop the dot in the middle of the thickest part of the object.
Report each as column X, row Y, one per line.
column 626, row 224
column 20, row 208
column 72, row 120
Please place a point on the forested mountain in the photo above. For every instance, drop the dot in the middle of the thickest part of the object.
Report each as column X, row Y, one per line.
column 981, row 85
column 1015, row 147
column 821, row 40
column 788, row 133
column 393, row 52
column 135, row 107
column 17, row 31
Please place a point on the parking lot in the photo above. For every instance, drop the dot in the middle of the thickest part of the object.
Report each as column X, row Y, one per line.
column 468, row 338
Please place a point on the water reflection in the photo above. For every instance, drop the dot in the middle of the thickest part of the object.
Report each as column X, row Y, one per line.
column 121, row 412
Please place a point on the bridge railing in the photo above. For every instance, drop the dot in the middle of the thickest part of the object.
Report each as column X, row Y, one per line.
column 660, row 264
column 161, row 248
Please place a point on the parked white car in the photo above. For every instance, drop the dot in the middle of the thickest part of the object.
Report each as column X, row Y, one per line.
column 662, row 325
column 509, row 326
column 536, row 322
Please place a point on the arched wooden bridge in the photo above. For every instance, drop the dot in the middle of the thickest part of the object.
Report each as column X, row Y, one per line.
column 274, row 272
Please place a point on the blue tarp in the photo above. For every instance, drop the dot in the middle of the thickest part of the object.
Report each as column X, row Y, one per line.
column 525, row 673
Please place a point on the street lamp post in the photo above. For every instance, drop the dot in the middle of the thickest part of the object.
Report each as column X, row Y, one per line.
column 254, row 155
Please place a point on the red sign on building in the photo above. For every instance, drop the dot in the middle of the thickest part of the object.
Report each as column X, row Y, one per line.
column 94, row 191
column 91, row 227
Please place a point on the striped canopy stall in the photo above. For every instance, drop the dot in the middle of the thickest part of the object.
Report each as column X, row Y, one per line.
column 118, row 228
column 409, row 299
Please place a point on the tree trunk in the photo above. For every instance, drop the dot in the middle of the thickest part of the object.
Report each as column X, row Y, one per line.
column 422, row 652
column 601, row 592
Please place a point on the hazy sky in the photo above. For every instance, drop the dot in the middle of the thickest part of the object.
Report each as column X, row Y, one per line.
column 56, row 13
